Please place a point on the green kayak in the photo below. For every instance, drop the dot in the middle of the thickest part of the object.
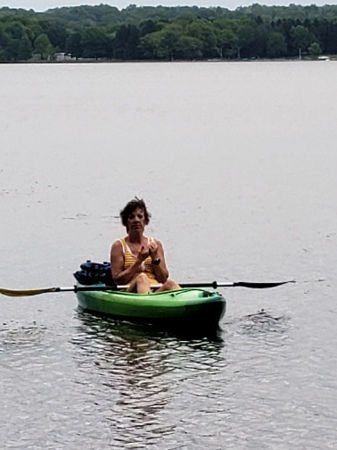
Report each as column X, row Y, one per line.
column 188, row 308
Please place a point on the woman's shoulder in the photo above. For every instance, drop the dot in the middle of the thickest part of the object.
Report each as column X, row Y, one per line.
column 118, row 243
column 151, row 239
column 157, row 241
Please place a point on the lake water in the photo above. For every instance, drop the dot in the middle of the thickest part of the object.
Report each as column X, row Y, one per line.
column 237, row 163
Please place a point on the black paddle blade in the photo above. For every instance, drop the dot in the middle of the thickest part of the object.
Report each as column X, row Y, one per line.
column 255, row 285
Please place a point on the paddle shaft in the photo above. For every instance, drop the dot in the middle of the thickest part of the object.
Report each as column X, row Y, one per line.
column 213, row 285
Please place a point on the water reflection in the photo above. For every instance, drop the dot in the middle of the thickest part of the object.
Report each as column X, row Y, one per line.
column 141, row 369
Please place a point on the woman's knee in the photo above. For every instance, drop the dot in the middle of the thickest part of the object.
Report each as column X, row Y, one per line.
column 143, row 284
column 170, row 285
column 142, row 278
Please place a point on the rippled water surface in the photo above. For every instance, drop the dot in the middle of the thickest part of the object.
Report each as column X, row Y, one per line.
column 237, row 164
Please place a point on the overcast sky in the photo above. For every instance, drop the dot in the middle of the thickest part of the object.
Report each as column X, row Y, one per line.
column 43, row 5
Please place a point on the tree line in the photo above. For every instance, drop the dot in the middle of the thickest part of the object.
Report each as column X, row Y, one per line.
column 168, row 33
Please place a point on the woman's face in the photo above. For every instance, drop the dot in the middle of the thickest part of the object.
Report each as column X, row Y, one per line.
column 136, row 220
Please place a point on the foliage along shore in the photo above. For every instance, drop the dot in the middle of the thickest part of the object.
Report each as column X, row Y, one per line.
column 161, row 33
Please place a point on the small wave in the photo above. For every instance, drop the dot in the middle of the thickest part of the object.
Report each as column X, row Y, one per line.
column 21, row 336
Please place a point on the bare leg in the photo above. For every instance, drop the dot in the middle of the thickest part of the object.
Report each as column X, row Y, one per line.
column 169, row 285
column 140, row 284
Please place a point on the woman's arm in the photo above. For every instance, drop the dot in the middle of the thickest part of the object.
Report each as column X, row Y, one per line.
column 118, row 273
column 157, row 252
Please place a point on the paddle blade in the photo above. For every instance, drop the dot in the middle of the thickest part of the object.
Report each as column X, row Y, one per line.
column 255, row 285
column 25, row 292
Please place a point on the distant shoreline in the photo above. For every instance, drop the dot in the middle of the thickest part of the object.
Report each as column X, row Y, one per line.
column 93, row 61
column 105, row 34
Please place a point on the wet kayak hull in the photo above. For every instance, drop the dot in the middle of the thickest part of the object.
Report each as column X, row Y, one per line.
column 188, row 308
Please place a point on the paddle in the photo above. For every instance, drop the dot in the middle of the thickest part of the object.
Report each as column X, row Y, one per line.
column 246, row 284
column 214, row 285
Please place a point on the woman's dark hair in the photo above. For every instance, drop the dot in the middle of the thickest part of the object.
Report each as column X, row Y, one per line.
column 130, row 207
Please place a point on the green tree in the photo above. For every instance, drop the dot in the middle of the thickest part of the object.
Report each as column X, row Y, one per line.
column 314, row 50
column 302, row 38
column 15, row 30
column 94, row 43
column 205, row 33
column 74, row 45
column 56, row 31
column 4, row 41
column 15, row 48
column 149, row 26
column 276, row 45
column 189, row 48
column 226, row 37
column 42, row 46
column 25, row 49
column 172, row 43
column 246, row 34
column 126, row 42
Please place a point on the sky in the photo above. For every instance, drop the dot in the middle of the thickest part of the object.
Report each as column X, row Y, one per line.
column 43, row 5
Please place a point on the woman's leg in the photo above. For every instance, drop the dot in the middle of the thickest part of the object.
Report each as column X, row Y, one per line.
column 140, row 284
column 169, row 285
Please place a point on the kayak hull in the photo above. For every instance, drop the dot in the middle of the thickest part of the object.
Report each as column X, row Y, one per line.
column 187, row 308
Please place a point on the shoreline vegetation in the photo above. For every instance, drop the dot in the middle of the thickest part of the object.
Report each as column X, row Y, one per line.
column 94, row 34
column 206, row 61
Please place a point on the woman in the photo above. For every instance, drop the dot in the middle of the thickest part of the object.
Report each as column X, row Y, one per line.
column 138, row 260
